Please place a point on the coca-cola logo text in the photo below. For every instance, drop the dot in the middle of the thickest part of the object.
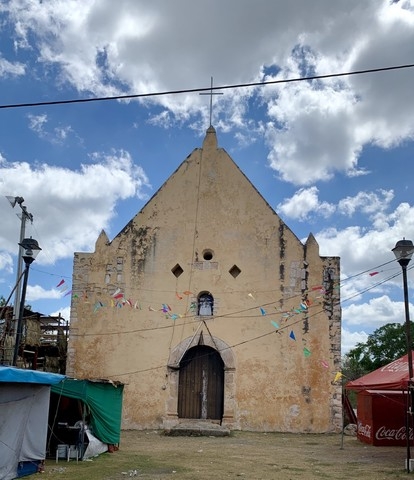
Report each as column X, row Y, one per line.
column 364, row 430
column 386, row 433
column 399, row 365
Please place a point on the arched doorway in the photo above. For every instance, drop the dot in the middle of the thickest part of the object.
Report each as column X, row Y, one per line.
column 201, row 384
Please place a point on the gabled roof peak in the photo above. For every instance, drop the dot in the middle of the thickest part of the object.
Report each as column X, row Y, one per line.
column 210, row 140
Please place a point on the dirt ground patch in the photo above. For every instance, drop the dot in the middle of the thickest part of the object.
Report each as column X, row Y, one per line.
column 253, row 456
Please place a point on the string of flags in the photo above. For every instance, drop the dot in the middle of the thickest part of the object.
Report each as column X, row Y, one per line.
column 118, row 300
column 62, row 287
column 285, row 315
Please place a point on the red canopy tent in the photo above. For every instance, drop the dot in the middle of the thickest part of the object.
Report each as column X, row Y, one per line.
column 393, row 376
column 382, row 404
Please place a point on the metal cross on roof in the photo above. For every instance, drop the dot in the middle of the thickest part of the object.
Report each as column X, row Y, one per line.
column 211, row 93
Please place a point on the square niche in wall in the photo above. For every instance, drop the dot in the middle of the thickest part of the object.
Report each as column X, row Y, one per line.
column 235, row 271
column 177, row 270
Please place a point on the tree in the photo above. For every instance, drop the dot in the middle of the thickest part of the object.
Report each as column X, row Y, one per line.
column 383, row 346
column 3, row 303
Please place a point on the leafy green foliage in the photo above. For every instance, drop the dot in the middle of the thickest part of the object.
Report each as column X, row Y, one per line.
column 3, row 303
column 384, row 345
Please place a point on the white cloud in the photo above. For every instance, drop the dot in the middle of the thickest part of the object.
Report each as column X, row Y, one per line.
column 36, row 292
column 64, row 312
column 350, row 339
column 367, row 202
column 56, row 135
column 309, row 138
column 37, row 123
column 70, row 207
column 10, row 69
column 363, row 248
column 62, row 133
column 304, row 203
column 6, row 261
column 320, row 128
column 375, row 313
column 315, row 128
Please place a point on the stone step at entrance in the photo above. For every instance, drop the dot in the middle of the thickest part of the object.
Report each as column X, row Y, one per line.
column 198, row 428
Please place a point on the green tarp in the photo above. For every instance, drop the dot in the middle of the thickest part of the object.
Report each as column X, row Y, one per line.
column 104, row 401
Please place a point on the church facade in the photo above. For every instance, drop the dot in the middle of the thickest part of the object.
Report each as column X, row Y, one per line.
column 207, row 306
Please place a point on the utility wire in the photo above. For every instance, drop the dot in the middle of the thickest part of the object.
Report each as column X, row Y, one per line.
column 252, row 339
column 253, row 291
column 231, row 315
column 207, row 89
column 367, row 271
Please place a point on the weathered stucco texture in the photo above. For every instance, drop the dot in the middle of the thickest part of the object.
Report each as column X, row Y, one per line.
column 210, row 222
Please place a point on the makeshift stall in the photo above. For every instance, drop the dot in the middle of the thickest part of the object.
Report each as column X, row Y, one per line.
column 24, row 408
column 382, row 403
column 381, row 417
column 85, row 415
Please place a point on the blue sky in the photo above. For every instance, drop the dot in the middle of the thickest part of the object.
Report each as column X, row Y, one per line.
column 332, row 157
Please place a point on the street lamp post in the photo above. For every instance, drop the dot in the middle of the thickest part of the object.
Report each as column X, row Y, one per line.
column 30, row 249
column 403, row 252
column 25, row 215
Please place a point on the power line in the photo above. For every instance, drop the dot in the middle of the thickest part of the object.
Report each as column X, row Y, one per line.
column 248, row 340
column 207, row 89
column 231, row 315
column 367, row 271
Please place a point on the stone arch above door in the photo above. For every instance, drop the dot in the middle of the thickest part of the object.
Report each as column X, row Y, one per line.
column 210, row 341
column 176, row 355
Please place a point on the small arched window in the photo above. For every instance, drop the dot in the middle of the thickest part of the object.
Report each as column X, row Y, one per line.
column 205, row 304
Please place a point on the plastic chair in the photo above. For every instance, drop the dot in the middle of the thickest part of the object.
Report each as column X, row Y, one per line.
column 73, row 452
column 62, row 451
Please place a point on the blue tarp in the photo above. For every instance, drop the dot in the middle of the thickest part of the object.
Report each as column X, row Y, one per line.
column 19, row 375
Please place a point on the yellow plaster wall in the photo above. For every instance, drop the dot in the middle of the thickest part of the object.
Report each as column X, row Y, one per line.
column 208, row 203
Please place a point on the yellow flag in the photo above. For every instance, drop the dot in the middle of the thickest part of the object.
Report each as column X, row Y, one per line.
column 338, row 376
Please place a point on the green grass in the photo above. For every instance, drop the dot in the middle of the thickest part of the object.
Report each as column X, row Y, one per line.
column 109, row 466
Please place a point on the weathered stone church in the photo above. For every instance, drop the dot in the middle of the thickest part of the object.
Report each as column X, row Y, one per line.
column 207, row 306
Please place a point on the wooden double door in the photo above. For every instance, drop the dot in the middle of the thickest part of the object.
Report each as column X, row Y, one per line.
column 201, row 384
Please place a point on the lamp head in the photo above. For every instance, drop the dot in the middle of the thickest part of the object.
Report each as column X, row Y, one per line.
column 14, row 200
column 31, row 249
column 403, row 251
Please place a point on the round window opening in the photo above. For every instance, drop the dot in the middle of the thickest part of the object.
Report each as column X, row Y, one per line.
column 207, row 254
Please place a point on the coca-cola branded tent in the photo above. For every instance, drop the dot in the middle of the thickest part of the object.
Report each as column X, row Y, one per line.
column 393, row 376
column 382, row 399
column 381, row 418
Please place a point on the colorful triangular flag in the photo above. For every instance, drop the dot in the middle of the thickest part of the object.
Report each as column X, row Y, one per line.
column 324, row 364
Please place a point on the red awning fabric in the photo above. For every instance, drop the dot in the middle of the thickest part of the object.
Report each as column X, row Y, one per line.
column 393, row 376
